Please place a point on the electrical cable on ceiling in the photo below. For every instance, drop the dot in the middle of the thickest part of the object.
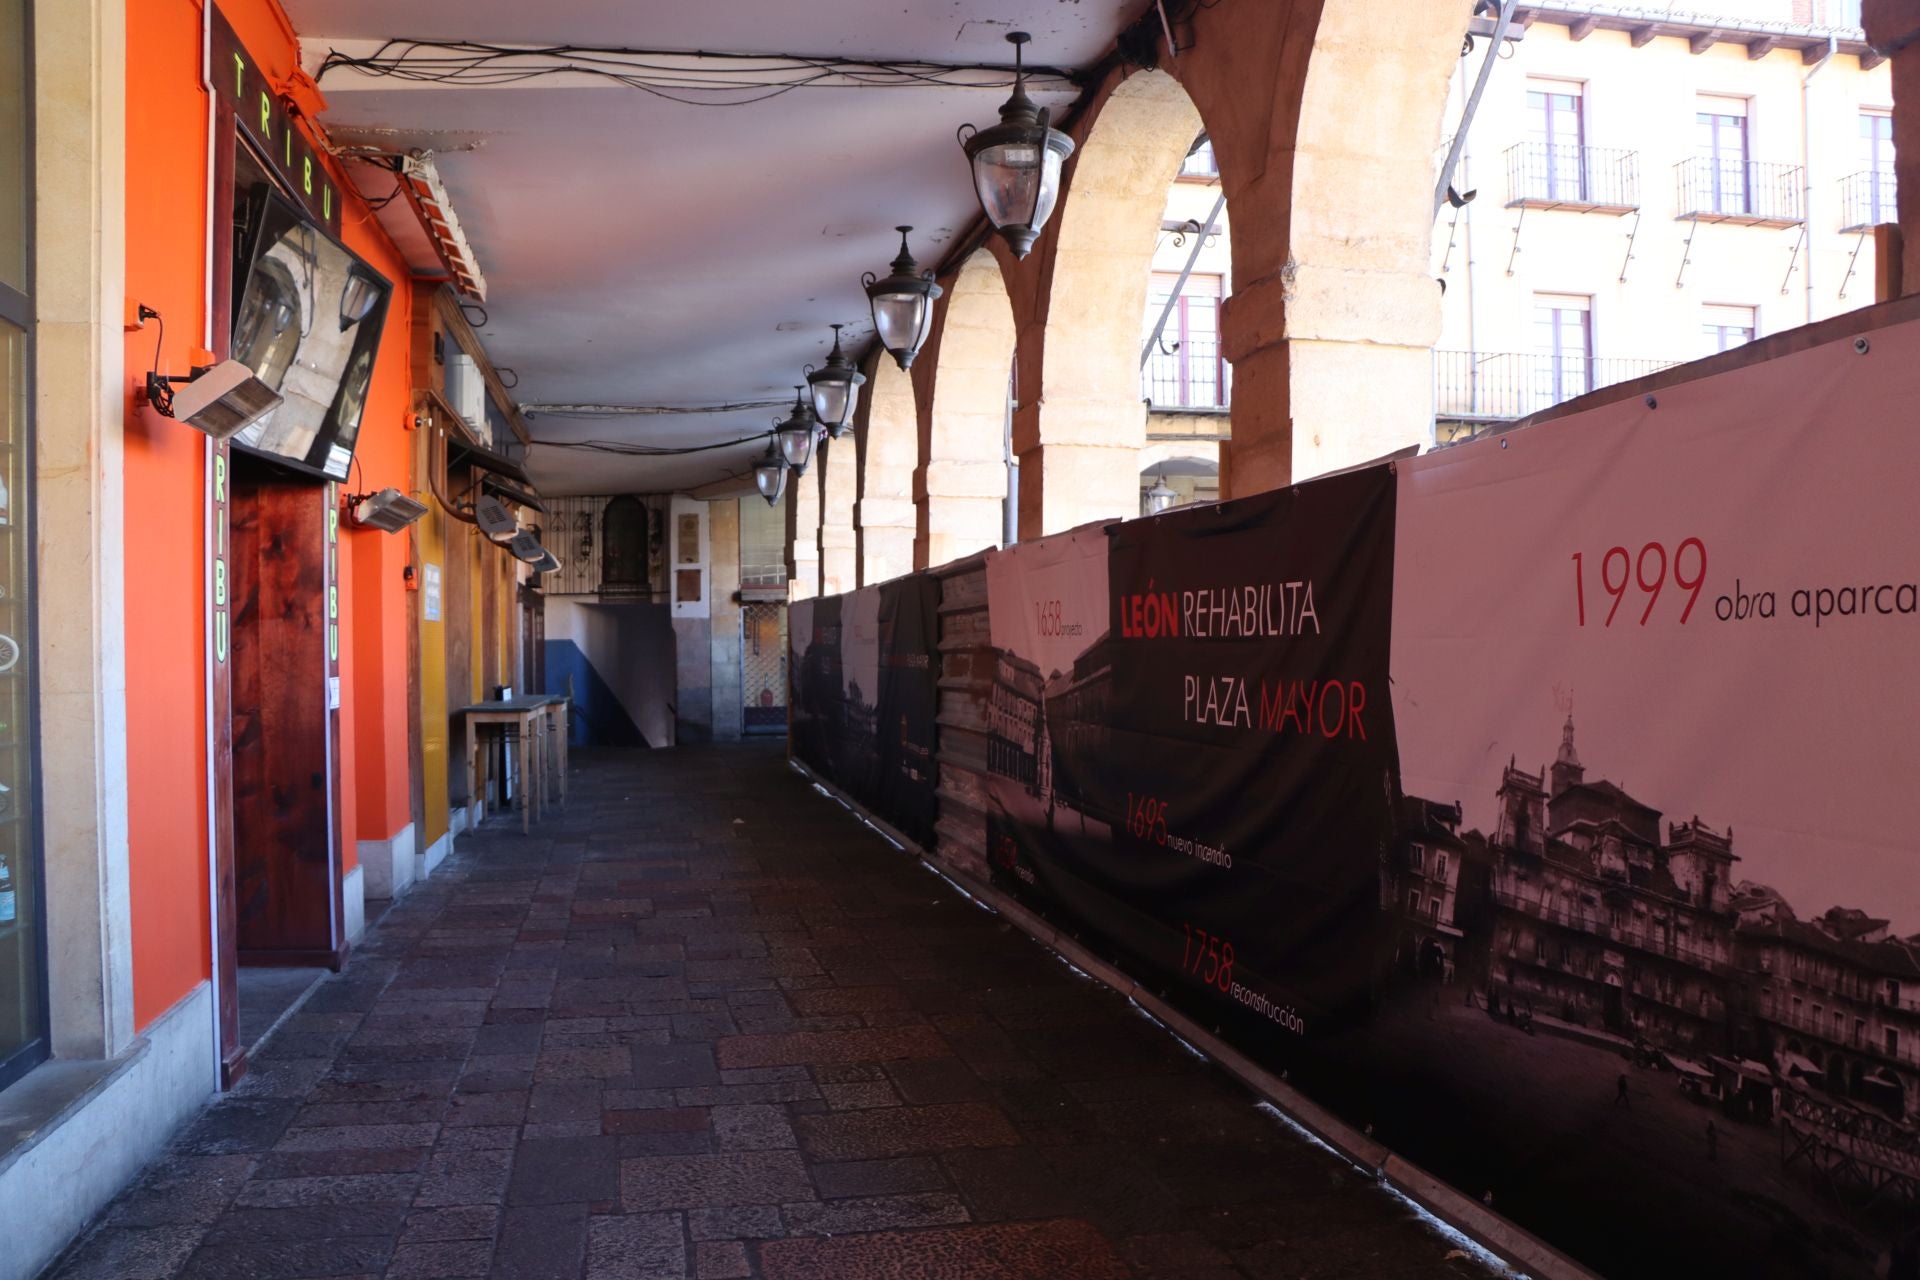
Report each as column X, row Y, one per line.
column 712, row 79
column 643, row 410
column 395, row 164
column 649, row 450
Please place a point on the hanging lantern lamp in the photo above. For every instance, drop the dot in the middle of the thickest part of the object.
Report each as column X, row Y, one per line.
column 902, row 305
column 795, row 435
column 835, row 387
column 770, row 475
column 1016, row 163
column 1160, row 497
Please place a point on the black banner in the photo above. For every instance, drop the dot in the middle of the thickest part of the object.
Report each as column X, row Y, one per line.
column 865, row 672
column 1214, row 772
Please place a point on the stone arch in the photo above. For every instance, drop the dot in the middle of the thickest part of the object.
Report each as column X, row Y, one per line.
column 1326, row 151
column 960, row 486
column 1365, row 309
column 838, row 461
column 887, row 436
column 1079, row 430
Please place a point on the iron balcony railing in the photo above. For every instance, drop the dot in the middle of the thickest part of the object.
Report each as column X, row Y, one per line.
column 1905, row 1051
column 1717, row 189
column 1711, row 960
column 1187, row 375
column 762, row 575
column 1480, row 387
column 1867, row 198
column 1564, row 175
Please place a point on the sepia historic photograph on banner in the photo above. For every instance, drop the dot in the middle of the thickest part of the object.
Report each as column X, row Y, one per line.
column 1657, row 892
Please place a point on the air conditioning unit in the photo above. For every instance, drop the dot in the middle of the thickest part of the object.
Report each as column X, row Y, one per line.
column 467, row 393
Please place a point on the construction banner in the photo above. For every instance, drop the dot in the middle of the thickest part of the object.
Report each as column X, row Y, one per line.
column 865, row 674
column 1198, row 761
column 1656, row 911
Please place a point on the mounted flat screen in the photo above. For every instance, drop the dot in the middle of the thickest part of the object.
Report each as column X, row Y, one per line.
column 306, row 319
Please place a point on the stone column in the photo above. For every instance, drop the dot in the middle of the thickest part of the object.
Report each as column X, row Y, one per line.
column 1082, row 419
column 839, row 488
column 803, row 535
column 960, row 485
column 959, row 505
column 1894, row 25
column 723, row 596
column 889, row 439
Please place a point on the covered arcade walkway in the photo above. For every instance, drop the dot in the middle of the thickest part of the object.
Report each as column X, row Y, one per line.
column 707, row 1024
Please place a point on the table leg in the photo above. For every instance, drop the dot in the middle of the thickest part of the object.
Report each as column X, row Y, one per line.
column 537, row 763
column 520, row 787
column 476, row 772
column 546, row 751
column 564, row 713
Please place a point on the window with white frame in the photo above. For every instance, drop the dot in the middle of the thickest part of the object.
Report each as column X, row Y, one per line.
column 1200, row 163
column 1556, row 138
column 1720, row 134
column 23, row 947
column 1562, row 365
column 1725, row 327
column 1876, row 192
column 1185, row 368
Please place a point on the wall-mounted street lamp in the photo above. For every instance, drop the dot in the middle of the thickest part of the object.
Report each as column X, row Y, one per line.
column 795, row 435
column 1160, row 497
column 1016, row 163
column 493, row 518
column 902, row 305
column 770, row 475
column 835, row 388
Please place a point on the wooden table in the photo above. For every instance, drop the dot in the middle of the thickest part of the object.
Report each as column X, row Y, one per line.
column 529, row 716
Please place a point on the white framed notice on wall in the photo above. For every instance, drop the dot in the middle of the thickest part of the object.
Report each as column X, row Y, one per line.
column 430, row 592
column 689, row 582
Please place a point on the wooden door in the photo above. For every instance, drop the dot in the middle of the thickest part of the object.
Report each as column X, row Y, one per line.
column 286, row 860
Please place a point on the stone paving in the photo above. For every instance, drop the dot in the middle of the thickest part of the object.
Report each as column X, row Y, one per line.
column 705, row 1024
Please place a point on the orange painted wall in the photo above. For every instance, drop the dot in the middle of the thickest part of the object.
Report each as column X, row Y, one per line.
column 165, row 484
column 165, row 546
column 373, row 584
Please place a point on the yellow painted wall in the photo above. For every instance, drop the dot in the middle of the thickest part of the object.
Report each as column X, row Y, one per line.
column 1644, row 100
column 431, row 548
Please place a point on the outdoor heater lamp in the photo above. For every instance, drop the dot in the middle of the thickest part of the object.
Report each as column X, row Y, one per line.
column 835, row 387
column 795, row 435
column 222, row 399
column 389, row 510
column 770, row 475
column 902, row 305
column 1016, row 163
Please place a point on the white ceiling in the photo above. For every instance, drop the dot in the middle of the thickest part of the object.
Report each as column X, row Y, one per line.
column 639, row 251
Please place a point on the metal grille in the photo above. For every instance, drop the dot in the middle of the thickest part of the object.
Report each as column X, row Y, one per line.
column 763, row 544
column 575, row 528
column 1869, row 198
column 1472, row 389
column 1560, row 174
column 763, row 666
column 1723, row 189
column 1186, row 375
